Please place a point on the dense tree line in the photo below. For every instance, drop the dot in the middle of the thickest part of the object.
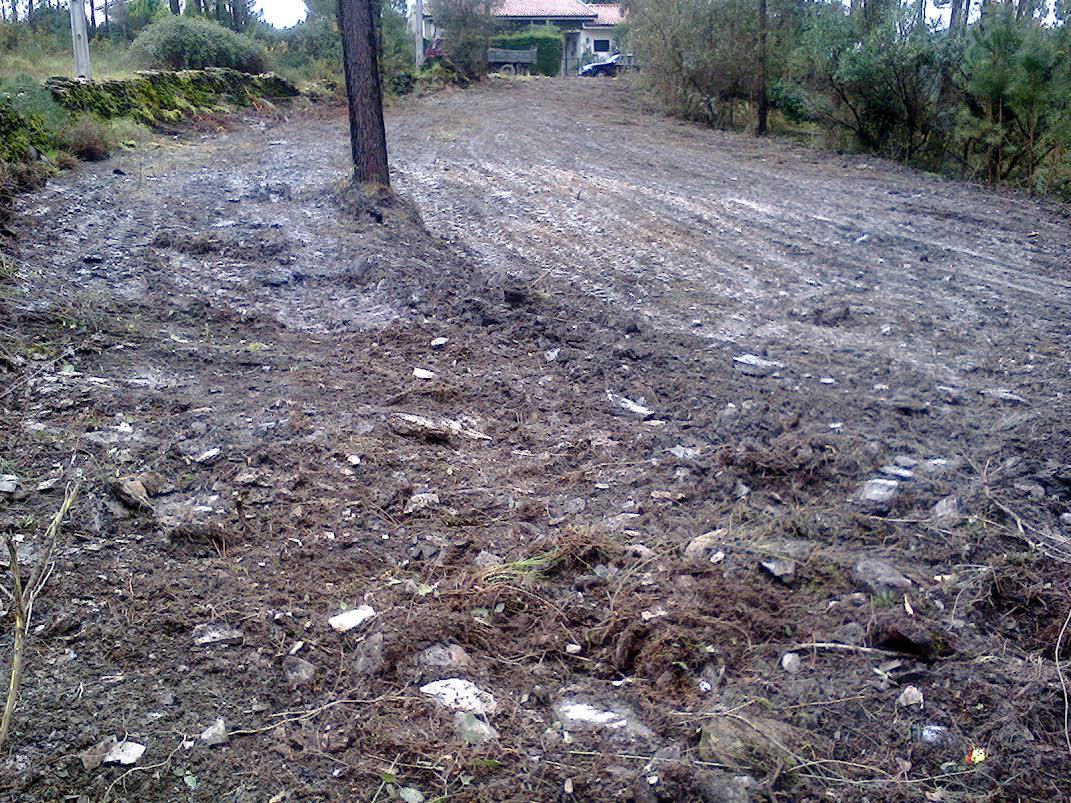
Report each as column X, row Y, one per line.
column 125, row 18
column 984, row 93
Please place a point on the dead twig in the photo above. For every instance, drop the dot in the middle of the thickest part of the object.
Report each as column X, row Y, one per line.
column 23, row 599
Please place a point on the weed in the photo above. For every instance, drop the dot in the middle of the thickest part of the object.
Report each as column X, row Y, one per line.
column 884, row 599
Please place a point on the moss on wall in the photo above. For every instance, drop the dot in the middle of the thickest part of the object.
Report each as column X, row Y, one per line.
column 20, row 136
column 153, row 98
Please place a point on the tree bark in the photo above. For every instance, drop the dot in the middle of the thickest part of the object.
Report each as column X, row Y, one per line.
column 175, row 7
column 93, row 17
column 954, row 21
column 763, row 104
column 368, row 139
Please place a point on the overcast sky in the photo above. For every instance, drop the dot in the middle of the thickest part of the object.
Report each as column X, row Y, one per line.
column 282, row 13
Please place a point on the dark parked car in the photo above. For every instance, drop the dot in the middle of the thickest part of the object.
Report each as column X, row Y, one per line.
column 607, row 68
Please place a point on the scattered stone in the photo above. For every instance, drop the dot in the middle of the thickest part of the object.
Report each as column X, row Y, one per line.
column 472, row 730
column 877, row 496
column 410, row 794
column 423, row 373
column 950, row 395
column 8, row 483
column 749, row 740
column 791, row 663
column 781, row 568
column 1065, row 519
column 752, row 365
column 910, row 696
column 367, row 657
column 899, row 472
column 208, row 456
column 298, row 671
column 216, row 733
column 686, row 452
column 583, row 716
column 933, row 734
column 461, row 695
column 1031, row 489
column 905, row 461
column 629, row 406
column 445, row 656
column 879, row 576
column 420, row 502
column 721, row 787
column 827, row 380
column 93, row 757
column 347, row 620
column 432, row 429
column 487, row 560
column 850, row 633
column 125, row 753
column 947, row 510
column 936, row 465
column 1004, row 395
column 132, row 491
column 702, row 547
column 439, row 342
column 217, row 633
column 642, row 552
column 573, row 649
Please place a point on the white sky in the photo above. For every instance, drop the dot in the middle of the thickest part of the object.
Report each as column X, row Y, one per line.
column 281, row 13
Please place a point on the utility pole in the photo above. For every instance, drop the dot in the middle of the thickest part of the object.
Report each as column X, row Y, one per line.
column 418, row 19
column 80, row 40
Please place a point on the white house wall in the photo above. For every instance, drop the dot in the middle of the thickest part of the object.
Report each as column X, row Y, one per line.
column 588, row 37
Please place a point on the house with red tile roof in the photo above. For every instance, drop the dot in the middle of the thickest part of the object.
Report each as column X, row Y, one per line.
column 587, row 29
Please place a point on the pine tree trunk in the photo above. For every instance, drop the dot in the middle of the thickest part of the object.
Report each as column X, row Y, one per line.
column 368, row 139
column 764, row 106
column 93, row 17
column 954, row 21
column 175, row 7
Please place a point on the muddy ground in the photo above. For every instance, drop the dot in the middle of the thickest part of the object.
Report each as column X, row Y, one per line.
column 653, row 556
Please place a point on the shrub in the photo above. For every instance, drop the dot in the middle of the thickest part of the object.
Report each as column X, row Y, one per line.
column 546, row 40
column 466, row 27
column 88, row 139
column 185, row 43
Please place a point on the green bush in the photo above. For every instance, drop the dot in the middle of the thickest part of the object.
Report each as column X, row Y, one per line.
column 546, row 40
column 184, row 43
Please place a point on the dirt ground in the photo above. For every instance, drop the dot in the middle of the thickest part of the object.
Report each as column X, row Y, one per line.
column 624, row 497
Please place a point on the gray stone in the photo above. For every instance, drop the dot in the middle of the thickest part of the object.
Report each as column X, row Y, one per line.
column 1065, row 519
column 947, row 510
column 791, row 663
column 703, row 546
column 216, row 733
column 904, row 461
column 752, row 365
column 217, row 634
column 899, row 472
column 1004, row 395
column 445, row 656
column 721, row 787
column 614, row 719
column 850, row 633
column 879, row 576
column 368, row 656
column 299, row 672
column 487, row 560
column 877, row 496
column 781, row 568
column 8, row 483
column 473, row 730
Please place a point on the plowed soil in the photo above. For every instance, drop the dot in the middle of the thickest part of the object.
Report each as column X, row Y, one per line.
column 622, row 497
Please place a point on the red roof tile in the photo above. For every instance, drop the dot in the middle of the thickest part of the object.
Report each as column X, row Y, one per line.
column 606, row 14
column 538, row 9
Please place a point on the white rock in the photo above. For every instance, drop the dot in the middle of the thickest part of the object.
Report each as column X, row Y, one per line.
column 900, row 472
column 752, row 365
column 439, row 342
column 216, row 733
column 347, row 620
column 878, row 495
column 910, row 696
column 700, row 547
column 124, row 753
column 423, row 373
column 628, row 405
column 420, row 501
column 947, row 510
column 216, row 633
column 8, row 483
column 461, row 695
column 790, row 662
